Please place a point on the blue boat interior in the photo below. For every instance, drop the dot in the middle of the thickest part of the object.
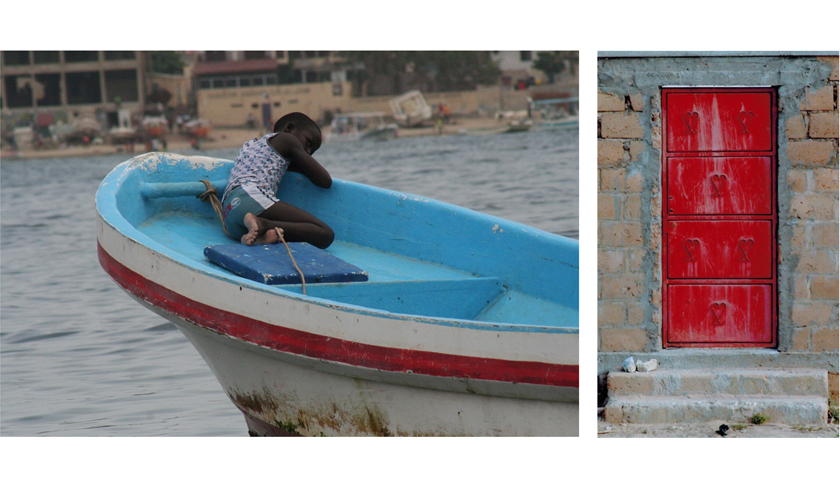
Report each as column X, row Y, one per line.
column 422, row 257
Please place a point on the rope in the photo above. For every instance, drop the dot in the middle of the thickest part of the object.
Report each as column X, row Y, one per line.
column 209, row 195
column 302, row 279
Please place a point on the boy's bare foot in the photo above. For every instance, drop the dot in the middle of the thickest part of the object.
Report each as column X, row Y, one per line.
column 271, row 236
column 252, row 222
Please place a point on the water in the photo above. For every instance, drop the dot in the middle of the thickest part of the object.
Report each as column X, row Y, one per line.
column 78, row 357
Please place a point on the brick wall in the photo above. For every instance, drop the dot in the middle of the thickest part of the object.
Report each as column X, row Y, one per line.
column 812, row 145
column 629, row 199
column 624, row 253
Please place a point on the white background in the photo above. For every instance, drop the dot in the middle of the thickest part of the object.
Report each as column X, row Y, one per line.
column 588, row 27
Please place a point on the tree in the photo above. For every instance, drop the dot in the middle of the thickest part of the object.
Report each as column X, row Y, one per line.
column 166, row 62
column 554, row 63
column 436, row 71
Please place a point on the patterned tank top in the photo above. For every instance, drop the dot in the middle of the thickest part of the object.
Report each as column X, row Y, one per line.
column 260, row 165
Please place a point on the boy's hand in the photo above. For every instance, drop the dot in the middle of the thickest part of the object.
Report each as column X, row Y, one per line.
column 297, row 147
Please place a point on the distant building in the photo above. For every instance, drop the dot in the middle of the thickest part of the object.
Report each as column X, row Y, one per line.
column 233, row 87
column 56, row 85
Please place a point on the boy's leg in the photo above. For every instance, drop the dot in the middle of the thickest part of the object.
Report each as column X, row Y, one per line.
column 298, row 225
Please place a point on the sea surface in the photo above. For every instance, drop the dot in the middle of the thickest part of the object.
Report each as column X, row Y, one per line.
column 78, row 357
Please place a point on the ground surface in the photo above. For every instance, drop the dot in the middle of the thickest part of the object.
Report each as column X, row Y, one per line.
column 234, row 138
column 707, row 430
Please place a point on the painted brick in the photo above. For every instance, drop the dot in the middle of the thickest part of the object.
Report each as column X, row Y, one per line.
column 825, row 235
column 611, row 261
column 801, row 339
column 825, row 179
column 824, row 125
column 612, row 179
column 623, row 340
column 801, row 288
column 833, row 62
column 819, row 99
column 636, row 149
column 633, row 206
column 606, row 207
column 798, row 180
column 635, row 314
column 637, row 259
column 610, row 152
column 819, row 261
column 811, row 314
column 824, row 340
column 811, row 152
column 610, row 102
column 637, row 102
column 620, row 125
column 627, row 286
column 611, row 314
column 635, row 183
column 795, row 127
column 621, row 234
column 823, row 288
column 799, row 239
column 813, row 206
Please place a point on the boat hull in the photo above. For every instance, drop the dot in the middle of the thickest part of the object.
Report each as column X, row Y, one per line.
column 281, row 393
column 303, row 365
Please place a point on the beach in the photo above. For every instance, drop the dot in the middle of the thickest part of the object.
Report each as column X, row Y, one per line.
column 224, row 138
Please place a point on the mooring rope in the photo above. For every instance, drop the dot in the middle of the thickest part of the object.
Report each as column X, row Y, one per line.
column 302, row 279
column 209, row 195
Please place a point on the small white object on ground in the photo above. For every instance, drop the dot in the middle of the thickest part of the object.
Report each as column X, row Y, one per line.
column 629, row 365
column 648, row 366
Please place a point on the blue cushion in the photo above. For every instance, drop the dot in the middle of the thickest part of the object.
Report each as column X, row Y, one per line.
column 270, row 263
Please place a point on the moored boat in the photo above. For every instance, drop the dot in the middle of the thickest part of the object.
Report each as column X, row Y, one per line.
column 467, row 323
column 360, row 126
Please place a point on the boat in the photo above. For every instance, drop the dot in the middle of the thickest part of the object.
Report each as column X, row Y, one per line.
column 197, row 128
column 554, row 113
column 155, row 126
column 456, row 323
column 512, row 125
column 360, row 126
column 410, row 109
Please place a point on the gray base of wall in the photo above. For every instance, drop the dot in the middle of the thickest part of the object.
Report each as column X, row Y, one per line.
column 687, row 358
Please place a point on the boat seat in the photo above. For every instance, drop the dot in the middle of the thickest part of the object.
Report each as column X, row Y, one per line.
column 270, row 263
column 463, row 298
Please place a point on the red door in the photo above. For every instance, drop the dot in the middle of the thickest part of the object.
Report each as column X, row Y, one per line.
column 719, row 217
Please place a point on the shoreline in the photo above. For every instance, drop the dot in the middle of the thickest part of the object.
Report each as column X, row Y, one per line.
column 223, row 138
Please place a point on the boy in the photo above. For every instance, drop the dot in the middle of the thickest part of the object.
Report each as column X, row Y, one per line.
column 252, row 212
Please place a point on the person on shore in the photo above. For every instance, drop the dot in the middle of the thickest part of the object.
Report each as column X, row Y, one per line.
column 252, row 213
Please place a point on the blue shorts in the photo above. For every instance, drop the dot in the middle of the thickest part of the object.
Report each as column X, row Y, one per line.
column 240, row 201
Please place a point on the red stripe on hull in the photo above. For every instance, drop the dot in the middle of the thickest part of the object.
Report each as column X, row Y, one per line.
column 325, row 348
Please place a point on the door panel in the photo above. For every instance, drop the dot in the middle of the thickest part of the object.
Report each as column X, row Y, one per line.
column 719, row 185
column 720, row 249
column 719, row 122
column 720, row 314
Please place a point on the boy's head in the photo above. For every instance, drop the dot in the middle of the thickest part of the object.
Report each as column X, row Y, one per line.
column 303, row 128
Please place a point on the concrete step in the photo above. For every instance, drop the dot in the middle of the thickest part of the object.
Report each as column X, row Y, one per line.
column 791, row 410
column 779, row 382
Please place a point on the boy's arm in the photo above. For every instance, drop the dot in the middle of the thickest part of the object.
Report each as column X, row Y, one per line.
column 290, row 148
